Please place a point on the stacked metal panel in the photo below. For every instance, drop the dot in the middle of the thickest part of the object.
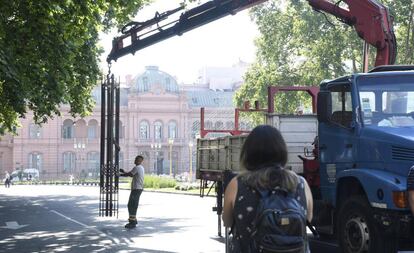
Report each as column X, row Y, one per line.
column 109, row 153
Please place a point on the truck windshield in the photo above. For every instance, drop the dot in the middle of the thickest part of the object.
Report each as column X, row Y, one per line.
column 387, row 101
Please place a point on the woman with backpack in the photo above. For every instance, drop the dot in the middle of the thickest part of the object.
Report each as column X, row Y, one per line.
column 267, row 205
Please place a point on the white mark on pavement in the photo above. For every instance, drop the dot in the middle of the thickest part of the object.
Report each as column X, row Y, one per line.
column 13, row 225
column 86, row 226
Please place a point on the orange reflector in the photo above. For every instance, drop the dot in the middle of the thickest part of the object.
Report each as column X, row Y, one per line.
column 400, row 199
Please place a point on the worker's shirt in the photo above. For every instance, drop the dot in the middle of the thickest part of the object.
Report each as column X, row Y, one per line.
column 410, row 180
column 138, row 177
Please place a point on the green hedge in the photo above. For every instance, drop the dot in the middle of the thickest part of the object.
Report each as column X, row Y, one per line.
column 151, row 181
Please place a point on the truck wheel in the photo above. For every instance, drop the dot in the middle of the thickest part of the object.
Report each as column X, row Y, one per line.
column 358, row 231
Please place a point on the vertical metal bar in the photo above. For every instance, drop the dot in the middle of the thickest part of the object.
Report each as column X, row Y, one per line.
column 365, row 57
column 111, row 147
column 117, row 148
column 227, row 240
column 219, row 204
column 202, row 111
column 108, row 146
column 271, row 99
column 236, row 119
column 102, row 149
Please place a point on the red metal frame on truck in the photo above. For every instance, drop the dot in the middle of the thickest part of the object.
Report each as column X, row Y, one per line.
column 271, row 92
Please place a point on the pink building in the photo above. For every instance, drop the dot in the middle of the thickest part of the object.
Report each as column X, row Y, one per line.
column 159, row 119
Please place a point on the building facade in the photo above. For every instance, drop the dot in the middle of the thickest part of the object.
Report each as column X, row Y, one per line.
column 159, row 120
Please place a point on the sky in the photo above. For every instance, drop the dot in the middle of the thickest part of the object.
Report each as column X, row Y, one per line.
column 221, row 43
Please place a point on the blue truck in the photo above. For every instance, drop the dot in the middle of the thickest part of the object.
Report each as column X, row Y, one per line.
column 365, row 150
column 358, row 173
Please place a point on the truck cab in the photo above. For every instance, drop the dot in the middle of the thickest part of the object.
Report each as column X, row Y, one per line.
column 366, row 148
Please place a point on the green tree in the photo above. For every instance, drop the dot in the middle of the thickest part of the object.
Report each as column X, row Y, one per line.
column 49, row 54
column 301, row 47
column 403, row 16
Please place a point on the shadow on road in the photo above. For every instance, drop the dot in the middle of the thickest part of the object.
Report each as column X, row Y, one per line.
column 59, row 223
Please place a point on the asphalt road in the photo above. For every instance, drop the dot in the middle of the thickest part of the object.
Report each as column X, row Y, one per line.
column 65, row 219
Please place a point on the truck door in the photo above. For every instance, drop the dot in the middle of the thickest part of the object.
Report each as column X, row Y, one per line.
column 337, row 139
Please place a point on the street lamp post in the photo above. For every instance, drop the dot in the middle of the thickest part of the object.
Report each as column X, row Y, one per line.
column 190, row 146
column 170, row 142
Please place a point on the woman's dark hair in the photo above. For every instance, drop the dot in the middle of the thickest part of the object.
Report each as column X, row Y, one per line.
column 263, row 155
column 263, row 147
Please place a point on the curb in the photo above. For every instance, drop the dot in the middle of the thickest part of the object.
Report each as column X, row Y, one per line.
column 97, row 184
column 179, row 193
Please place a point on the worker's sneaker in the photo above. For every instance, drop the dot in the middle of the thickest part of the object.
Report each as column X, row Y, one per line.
column 131, row 225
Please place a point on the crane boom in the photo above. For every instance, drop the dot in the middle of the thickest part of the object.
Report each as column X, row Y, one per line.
column 372, row 23
column 370, row 19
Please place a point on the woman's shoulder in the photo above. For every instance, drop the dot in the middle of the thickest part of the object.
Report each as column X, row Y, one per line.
column 301, row 179
column 301, row 182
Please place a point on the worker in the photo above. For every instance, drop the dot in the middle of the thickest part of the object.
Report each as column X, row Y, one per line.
column 137, row 186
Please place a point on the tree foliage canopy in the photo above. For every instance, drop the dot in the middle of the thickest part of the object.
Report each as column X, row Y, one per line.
column 49, row 54
column 301, row 47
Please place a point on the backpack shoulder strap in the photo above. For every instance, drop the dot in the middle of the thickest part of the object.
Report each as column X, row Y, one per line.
column 300, row 192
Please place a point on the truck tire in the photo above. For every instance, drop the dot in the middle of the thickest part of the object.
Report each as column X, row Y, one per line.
column 358, row 232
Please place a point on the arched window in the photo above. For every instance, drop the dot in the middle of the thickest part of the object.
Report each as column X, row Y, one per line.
column 144, row 130
column 195, row 129
column 93, row 163
column 121, row 160
column 67, row 131
column 69, row 159
column 92, row 129
column 81, row 130
column 229, row 125
column 34, row 131
column 158, row 130
column 121, row 130
column 218, row 125
column 208, row 125
column 35, row 160
column 172, row 130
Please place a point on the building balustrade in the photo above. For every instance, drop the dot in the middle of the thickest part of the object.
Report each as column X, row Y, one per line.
column 164, row 141
column 86, row 140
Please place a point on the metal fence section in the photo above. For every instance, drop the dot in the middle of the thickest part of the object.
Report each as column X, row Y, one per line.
column 109, row 150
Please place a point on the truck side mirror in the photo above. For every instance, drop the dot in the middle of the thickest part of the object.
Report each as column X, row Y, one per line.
column 324, row 106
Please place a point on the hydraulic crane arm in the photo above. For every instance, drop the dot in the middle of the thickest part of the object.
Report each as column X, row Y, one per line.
column 191, row 19
column 372, row 22
column 370, row 19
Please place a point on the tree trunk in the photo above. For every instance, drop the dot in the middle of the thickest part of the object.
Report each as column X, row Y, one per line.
column 354, row 67
column 410, row 38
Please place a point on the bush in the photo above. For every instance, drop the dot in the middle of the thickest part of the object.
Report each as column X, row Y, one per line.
column 152, row 181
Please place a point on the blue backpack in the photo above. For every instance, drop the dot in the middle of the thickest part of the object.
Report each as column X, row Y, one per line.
column 280, row 224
